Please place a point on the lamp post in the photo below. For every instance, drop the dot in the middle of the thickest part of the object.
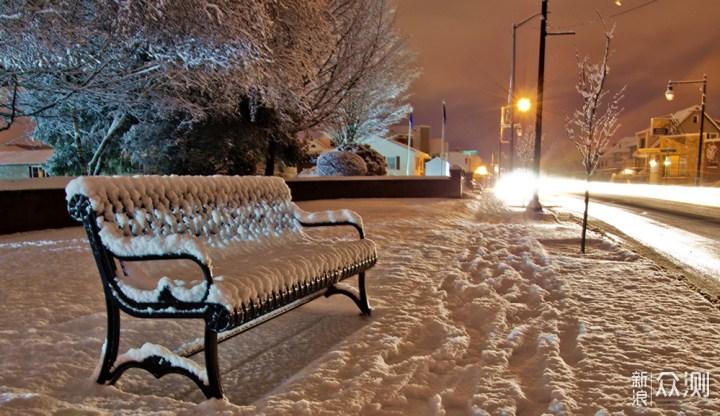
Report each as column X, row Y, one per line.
column 669, row 94
column 534, row 204
column 511, row 97
column 522, row 105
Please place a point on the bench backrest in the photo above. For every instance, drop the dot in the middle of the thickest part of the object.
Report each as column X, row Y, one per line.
column 216, row 207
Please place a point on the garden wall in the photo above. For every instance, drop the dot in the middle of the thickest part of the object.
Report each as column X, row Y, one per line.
column 38, row 204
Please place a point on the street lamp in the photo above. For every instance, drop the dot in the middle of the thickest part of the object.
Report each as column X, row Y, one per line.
column 670, row 95
column 522, row 105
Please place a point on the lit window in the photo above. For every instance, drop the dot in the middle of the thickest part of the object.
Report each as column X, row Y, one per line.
column 36, row 172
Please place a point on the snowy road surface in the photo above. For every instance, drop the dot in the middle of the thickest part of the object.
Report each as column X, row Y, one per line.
column 477, row 311
column 689, row 242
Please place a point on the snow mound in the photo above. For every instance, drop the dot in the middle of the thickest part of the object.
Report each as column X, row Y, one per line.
column 339, row 163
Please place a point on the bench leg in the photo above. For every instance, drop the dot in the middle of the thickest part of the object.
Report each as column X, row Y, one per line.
column 214, row 389
column 112, row 344
column 362, row 302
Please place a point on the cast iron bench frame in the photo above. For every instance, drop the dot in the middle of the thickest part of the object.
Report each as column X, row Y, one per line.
column 220, row 325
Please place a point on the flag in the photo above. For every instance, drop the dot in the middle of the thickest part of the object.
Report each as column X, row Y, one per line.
column 411, row 121
column 444, row 115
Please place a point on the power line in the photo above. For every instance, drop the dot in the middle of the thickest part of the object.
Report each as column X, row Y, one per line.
column 614, row 15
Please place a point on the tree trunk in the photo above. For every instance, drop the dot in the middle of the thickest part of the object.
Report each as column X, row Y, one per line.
column 270, row 161
column 585, row 215
column 78, row 142
column 93, row 166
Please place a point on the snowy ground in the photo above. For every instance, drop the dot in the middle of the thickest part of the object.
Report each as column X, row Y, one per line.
column 477, row 311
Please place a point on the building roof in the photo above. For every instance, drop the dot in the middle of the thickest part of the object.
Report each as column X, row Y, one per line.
column 25, row 157
column 403, row 146
column 622, row 144
column 681, row 115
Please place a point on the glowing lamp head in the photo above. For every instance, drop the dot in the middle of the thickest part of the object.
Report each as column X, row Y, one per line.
column 667, row 161
column 523, row 104
column 618, row 2
column 669, row 94
column 497, row 169
column 653, row 163
column 482, row 170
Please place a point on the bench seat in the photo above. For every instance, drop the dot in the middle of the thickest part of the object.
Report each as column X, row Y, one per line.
column 228, row 250
column 243, row 272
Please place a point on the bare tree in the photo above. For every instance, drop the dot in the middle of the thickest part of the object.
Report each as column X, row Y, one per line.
column 595, row 127
column 370, row 65
column 62, row 62
column 525, row 147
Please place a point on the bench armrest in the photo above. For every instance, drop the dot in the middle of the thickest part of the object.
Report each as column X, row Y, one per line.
column 327, row 218
column 146, row 246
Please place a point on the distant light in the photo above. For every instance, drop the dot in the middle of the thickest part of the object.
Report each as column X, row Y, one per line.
column 629, row 171
column 496, row 168
column 667, row 161
column 516, row 187
column 524, row 104
column 669, row 94
column 618, row 2
column 653, row 163
column 482, row 170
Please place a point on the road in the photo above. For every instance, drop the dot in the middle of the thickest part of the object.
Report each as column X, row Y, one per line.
column 680, row 237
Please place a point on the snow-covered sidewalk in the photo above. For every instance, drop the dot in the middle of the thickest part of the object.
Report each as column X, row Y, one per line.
column 476, row 310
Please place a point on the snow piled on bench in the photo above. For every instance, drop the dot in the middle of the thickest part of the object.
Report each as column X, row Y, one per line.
column 477, row 311
column 243, row 228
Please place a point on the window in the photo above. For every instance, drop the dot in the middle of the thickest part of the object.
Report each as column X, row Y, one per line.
column 641, row 143
column 712, row 155
column 36, row 172
column 393, row 162
column 711, row 136
column 695, row 119
column 682, row 166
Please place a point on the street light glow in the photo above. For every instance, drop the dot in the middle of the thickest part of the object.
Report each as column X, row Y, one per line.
column 669, row 94
column 524, row 104
column 482, row 170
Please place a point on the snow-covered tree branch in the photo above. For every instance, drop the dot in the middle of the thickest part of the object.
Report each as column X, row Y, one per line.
column 595, row 127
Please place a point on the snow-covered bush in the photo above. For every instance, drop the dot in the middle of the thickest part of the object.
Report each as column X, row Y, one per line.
column 339, row 163
column 376, row 164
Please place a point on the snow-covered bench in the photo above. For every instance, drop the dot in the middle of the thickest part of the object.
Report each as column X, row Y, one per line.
column 228, row 250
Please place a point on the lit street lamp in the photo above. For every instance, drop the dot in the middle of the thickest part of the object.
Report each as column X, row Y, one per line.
column 669, row 94
column 522, row 105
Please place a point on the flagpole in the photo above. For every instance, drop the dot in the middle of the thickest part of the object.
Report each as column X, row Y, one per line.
column 409, row 142
column 442, row 144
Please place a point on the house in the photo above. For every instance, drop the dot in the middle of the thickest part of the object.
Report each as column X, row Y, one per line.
column 669, row 148
column 420, row 136
column 396, row 156
column 618, row 160
column 318, row 146
column 468, row 159
column 21, row 162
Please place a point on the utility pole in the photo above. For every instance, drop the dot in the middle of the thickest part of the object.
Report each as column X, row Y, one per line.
column 534, row 204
